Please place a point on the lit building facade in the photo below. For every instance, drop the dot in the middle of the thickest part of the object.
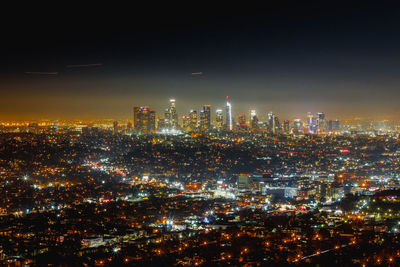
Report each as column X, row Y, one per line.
column 205, row 118
column 144, row 120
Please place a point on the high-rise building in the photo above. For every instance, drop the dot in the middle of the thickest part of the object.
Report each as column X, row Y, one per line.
column 310, row 123
column 144, row 120
column 321, row 122
column 229, row 119
column 286, row 126
column 297, row 126
column 271, row 121
column 329, row 125
column 205, row 118
column 253, row 119
column 193, row 120
column 186, row 123
column 243, row 181
column 242, row 125
column 219, row 119
column 167, row 119
column 336, row 126
column 173, row 114
column 162, row 123
column 242, row 120
column 276, row 126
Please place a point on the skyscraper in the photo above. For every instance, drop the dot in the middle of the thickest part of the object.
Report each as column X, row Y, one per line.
column 186, row 123
column 297, row 126
column 229, row 120
column 173, row 114
column 144, row 120
column 271, row 121
column 242, row 120
column 162, row 123
column 310, row 123
column 276, row 126
column 167, row 120
column 321, row 122
column 205, row 118
column 193, row 120
column 286, row 126
column 336, row 125
column 253, row 119
column 329, row 125
column 219, row 119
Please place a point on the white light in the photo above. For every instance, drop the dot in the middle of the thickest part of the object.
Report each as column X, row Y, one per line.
column 228, row 104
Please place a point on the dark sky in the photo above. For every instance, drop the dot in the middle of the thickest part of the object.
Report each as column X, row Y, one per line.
column 70, row 62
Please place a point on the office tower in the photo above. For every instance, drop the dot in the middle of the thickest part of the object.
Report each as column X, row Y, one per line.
column 297, row 126
column 205, row 118
column 336, row 126
column 242, row 125
column 219, row 119
column 161, row 124
column 252, row 114
column 144, row 120
column 321, row 122
column 253, row 119
column 229, row 120
column 186, row 123
column 152, row 122
column 329, row 125
column 173, row 115
column 271, row 121
column 193, row 120
column 167, row 119
column 276, row 125
column 243, row 181
column 286, row 126
column 310, row 123
column 242, row 120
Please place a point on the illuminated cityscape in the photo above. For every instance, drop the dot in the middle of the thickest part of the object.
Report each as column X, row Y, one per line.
column 211, row 139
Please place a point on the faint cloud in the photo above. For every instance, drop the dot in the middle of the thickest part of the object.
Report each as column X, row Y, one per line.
column 41, row 73
column 85, row 65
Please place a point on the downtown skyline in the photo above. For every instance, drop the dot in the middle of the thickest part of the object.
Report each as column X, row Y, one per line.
column 285, row 111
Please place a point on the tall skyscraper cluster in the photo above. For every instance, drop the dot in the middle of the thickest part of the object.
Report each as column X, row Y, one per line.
column 318, row 124
column 145, row 121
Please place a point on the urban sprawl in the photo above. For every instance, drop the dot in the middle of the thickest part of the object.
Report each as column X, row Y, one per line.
column 201, row 189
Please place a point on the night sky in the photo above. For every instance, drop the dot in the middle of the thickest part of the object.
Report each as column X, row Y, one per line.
column 339, row 59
